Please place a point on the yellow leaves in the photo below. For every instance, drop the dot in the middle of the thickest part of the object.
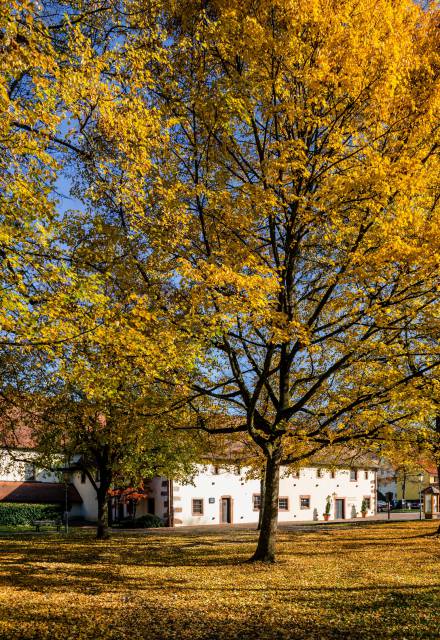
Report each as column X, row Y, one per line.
column 78, row 588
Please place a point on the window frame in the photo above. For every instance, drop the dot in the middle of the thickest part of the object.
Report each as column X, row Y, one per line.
column 197, row 513
column 256, row 495
column 355, row 473
column 286, row 498
column 301, row 498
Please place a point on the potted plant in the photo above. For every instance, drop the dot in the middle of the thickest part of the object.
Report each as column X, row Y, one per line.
column 364, row 508
column 326, row 514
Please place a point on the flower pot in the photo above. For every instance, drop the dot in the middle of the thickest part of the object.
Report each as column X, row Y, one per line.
column 326, row 516
column 364, row 514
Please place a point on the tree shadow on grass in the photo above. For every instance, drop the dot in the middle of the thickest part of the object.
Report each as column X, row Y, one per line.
column 316, row 614
column 191, row 591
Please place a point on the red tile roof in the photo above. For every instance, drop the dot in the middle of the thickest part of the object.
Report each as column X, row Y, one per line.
column 16, row 426
column 38, row 492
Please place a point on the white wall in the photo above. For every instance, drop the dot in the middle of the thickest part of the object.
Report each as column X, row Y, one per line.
column 226, row 483
column 16, row 466
column 89, row 508
column 208, row 484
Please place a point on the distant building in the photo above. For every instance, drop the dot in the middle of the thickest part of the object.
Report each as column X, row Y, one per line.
column 400, row 483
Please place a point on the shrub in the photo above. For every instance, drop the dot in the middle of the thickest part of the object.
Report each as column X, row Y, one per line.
column 13, row 514
column 149, row 521
column 144, row 522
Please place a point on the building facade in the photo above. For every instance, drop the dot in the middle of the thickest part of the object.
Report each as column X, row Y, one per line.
column 21, row 481
column 216, row 495
column 227, row 496
column 400, row 483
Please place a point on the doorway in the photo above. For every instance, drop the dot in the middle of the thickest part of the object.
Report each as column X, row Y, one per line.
column 226, row 510
column 340, row 508
column 151, row 507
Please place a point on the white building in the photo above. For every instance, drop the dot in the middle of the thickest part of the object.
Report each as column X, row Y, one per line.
column 224, row 496
column 21, row 481
column 215, row 496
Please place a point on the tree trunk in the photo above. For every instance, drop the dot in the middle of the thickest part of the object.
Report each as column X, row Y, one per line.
column 102, row 528
column 437, row 429
column 105, row 480
column 265, row 551
column 403, row 487
column 262, row 494
column 438, row 480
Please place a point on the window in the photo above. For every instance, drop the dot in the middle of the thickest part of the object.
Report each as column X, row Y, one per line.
column 256, row 502
column 366, row 475
column 333, row 474
column 29, row 471
column 197, row 507
column 295, row 474
column 353, row 474
column 216, row 470
column 83, row 477
column 283, row 504
column 304, row 502
column 237, row 470
column 319, row 473
column 367, row 500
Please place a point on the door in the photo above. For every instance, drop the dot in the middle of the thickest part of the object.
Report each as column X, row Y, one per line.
column 339, row 508
column 150, row 506
column 226, row 511
column 120, row 511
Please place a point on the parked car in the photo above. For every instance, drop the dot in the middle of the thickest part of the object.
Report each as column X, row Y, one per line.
column 405, row 504
column 382, row 505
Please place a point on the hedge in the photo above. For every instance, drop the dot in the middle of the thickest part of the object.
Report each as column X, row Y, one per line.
column 12, row 514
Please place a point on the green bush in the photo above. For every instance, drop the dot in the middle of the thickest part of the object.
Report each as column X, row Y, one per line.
column 144, row 522
column 12, row 514
column 149, row 521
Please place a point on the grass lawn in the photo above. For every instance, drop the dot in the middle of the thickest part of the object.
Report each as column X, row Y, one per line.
column 371, row 582
column 4, row 528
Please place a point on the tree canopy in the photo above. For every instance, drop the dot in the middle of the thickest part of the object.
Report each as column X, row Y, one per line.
column 272, row 168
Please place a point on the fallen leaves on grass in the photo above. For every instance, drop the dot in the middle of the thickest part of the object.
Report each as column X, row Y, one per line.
column 377, row 581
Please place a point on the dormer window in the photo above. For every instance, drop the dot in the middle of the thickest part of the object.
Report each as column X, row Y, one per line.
column 29, row 471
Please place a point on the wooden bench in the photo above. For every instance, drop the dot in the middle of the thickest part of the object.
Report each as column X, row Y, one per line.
column 48, row 523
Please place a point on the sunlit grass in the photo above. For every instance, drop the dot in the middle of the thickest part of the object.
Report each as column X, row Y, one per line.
column 372, row 581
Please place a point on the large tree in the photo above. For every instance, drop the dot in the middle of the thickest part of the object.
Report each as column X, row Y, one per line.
column 280, row 159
